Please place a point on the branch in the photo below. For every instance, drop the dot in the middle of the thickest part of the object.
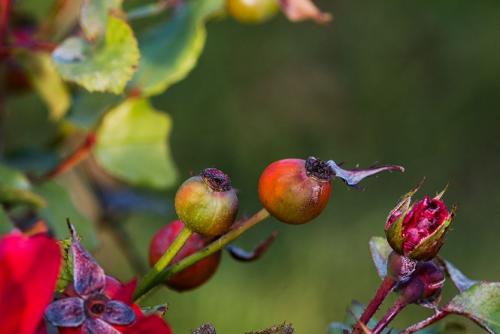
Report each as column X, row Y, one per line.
column 237, row 230
column 440, row 314
column 80, row 154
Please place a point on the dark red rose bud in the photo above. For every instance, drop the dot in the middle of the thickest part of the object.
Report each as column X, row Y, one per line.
column 296, row 191
column 418, row 231
column 400, row 268
column 207, row 204
column 193, row 276
column 425, row 285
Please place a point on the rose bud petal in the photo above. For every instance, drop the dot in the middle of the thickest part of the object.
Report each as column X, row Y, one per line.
column 418, row 231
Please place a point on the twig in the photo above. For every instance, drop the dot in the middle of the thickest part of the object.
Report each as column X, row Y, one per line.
column 385, row 288
column 72, row 160
column 440, row 314
column 145, row 286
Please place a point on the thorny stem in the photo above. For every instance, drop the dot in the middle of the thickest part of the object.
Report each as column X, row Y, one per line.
column 440, row 314
column 151, row 277
column 398, row 306
column 73, row 159
column 385, row 288
column 237, row 230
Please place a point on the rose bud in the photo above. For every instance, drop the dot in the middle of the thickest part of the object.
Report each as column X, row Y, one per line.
column 425, row 285
column 417, row 231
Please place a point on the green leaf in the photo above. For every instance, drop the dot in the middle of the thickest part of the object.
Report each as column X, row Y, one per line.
column 15, row 189
column 106, row 67
column 170, row 50
column 480, row 303
column 88, row 108
column 48, row 84
column 11, row 178
column 27, row 114
column 380, row 250
column 132, row 145
column 94, row 16
column 60, row 207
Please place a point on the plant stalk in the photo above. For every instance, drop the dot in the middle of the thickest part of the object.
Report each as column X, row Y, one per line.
column 160, row 276
column 440, row 314
column 80, row 154
column 383, row 291
column 150, row 279
column 398, row 306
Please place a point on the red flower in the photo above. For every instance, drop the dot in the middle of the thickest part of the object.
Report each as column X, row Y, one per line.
column 28, row 273
column 97, row 303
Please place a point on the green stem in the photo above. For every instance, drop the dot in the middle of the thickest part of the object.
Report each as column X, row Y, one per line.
column 149, row 281
column 145, row 286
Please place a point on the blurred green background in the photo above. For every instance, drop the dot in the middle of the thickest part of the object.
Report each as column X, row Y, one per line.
column 411, row 83
column 392, row 82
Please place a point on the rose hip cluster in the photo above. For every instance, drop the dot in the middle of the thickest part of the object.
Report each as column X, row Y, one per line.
column 295, row 191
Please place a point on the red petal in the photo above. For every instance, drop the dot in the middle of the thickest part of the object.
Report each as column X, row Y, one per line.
column 122, row 292
column 28, row 272
column 152, row 324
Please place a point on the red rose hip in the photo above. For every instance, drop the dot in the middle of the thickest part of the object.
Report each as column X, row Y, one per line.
column 193, row 276
column 295, row 191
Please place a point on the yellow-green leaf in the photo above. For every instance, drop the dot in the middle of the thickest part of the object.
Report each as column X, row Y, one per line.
column 132, row 144
column 106, row 67
column 48, row 84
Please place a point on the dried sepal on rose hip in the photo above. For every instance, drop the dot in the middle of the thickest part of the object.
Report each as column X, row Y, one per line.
column 195, row 275
column 295, row 191
column 207, row 203
column 417, row 230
